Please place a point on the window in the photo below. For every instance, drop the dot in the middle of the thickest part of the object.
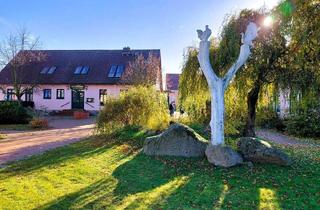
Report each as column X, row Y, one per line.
column 81, row 70
column 9, row 94
column 116, row 71
column 60, row 93
column 48, row 70
column 112, row 71
column 103, row 96
column 52, row 70
column 44, row 70
column 78, row 70
column 28, row 95
column 119, row 71
column 46, row 93
column 85, row 70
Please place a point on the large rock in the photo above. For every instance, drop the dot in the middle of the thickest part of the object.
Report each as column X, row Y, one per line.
column 259, row 151
column 177, row 140
column 221, row 155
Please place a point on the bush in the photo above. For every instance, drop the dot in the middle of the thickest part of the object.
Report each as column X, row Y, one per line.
column 27, row 104
column 267, row 118
column 39, row 123
column 11, row 112
column 304, row 123
column 139, row 106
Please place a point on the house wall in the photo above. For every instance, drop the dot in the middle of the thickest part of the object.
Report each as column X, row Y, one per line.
column 53, row 103
column 284, row 102
column 91, row 91
column 173, row 96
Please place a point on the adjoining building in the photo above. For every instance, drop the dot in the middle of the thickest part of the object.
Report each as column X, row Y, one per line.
column 172, row 87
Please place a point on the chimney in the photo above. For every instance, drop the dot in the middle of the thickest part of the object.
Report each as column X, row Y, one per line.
column 126, row 51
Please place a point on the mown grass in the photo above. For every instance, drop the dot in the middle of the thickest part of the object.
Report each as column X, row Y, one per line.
column 18, row 127
column 112, row 173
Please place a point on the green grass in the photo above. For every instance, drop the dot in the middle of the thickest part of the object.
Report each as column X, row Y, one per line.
column 18, row 127
column 112, row 173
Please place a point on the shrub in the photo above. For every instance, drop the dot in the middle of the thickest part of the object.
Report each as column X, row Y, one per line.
column 139, row 106
column 11, row 112
column 29, row 104
column 304, row 123
column 37, row 123
column 267, row 118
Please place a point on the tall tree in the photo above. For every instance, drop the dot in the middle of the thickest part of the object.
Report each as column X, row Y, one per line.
column 264, row 68
column 17, row 51
column 303, row 29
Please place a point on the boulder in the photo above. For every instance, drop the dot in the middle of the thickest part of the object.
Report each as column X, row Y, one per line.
column 221, row 155
column 177, row 140
column 259, row 151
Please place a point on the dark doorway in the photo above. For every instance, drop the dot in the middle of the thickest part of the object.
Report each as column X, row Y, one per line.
column 77, row 99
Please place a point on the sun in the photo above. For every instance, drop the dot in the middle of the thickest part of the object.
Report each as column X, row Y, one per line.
column 267, row 22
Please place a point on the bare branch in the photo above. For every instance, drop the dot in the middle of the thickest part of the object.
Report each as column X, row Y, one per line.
column 16, row 51
column 143, row 71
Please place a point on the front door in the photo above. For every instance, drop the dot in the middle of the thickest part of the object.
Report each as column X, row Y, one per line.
column 77, row 99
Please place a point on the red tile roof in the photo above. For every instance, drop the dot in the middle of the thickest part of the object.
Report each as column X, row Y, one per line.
column 66, row 62
column 172, row 81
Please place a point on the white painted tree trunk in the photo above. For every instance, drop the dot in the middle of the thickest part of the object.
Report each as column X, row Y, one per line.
column 217, row 113
column 217, row 85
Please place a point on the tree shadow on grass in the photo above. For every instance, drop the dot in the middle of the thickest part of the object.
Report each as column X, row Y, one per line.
column 89, row 147
column 189, row 183
column 265, row 186
column 140, row 179
column 183, row 183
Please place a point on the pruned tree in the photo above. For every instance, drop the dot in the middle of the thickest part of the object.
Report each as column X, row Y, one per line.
column 17, row 51
column 218, row 85
column 144, row 71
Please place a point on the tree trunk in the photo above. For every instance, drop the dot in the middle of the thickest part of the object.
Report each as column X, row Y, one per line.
column 19, row 98
column 252, row 104
column 217, row 113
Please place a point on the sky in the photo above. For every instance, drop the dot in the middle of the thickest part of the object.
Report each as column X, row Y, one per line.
column 168, row 25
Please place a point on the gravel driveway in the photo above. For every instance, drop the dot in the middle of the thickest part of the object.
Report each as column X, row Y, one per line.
column 63, row 131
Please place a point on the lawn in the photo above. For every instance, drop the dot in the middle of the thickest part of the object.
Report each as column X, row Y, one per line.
column 18, row 127
column 112, row 173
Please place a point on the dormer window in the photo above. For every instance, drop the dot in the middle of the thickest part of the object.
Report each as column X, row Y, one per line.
column 48, row 70
column 82, row 70
column 116, row 71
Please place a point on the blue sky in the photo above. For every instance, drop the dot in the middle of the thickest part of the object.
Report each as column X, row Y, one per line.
column 169, row 25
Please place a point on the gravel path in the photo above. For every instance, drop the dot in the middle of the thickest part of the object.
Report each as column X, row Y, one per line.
column 280, row 138
column 21, row 144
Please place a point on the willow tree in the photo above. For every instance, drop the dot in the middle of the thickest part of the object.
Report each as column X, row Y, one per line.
column 265, row 66
column 303, row 57
column 217, row 85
